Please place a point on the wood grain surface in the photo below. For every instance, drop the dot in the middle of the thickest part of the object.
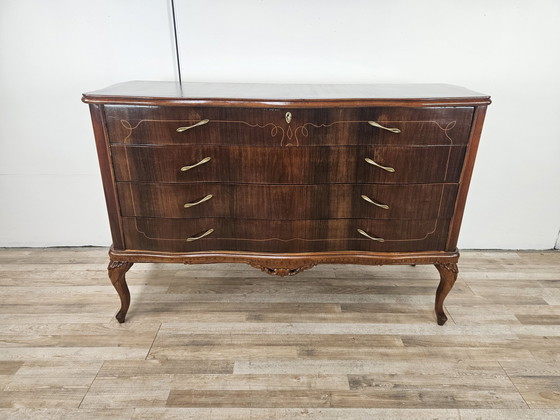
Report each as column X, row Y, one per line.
column 287, row 236
column 266, row 95
column 229, row 342
column 294, row 144
column 283, row 202
column 290, row 165
column 269, row 127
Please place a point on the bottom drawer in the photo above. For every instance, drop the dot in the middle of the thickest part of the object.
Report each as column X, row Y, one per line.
column 170, row 235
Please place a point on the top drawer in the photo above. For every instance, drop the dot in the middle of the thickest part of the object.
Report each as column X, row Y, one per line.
column 132, row 124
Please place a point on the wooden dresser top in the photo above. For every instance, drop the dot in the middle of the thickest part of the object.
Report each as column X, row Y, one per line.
column 172, row 93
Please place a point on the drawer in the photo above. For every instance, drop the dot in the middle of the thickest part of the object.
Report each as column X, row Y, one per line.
column 290, row 165
column 132, row 124
column 283, row 236
column 283, row 202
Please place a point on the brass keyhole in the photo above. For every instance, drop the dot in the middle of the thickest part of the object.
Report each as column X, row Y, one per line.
column 288, row 117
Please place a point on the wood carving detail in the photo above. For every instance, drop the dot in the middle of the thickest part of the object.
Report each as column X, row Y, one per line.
column 117, row 271
column 118, row 264
column 283, row 271
column 448, row 275
column 292, row 136
column 452, row 267
column 137, row 130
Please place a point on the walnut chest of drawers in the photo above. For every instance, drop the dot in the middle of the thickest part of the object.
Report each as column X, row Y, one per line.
column 284, row 177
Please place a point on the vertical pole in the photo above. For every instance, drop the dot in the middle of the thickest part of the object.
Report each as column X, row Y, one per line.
column 176, row 43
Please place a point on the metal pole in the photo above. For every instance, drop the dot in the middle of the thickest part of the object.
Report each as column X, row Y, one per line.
column 176, row 43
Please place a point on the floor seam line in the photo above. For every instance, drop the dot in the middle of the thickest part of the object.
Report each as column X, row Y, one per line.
column 89, row 387
column 153, row 341
column 515, row 386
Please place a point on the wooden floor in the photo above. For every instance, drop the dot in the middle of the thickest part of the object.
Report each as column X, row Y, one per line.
column 335, row 342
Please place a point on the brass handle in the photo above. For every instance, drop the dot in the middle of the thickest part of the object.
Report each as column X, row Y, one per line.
column 369, row 200
column 195, row 238
column 196, row 203
column 181, row 129
column 361, row 232
column 392, row 130
column 374, row 163
column 202, row 162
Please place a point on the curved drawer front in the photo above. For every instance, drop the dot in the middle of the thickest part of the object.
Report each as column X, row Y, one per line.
column 283, row 202
column 207, row 234
column 290, row 165
column 283, row 127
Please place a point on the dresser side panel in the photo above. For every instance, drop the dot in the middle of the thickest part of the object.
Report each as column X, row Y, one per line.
column 107, row 175
column 466, row 175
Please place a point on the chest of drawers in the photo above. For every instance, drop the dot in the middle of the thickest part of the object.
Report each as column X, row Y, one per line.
column 284, row 177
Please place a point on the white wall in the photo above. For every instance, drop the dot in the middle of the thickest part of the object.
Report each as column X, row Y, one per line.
column 51, row 51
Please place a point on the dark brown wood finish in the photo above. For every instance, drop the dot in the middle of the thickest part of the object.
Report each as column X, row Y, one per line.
column 466, row 175
column 287, row 202
column 107, row 175
column 448, row 275
column 282, row 188
column 290, row 165
column 265, row 95
column 284, row 235
column 117, row 271
column 270, row 127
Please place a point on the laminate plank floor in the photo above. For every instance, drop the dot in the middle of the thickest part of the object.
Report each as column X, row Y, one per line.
column 230, row 342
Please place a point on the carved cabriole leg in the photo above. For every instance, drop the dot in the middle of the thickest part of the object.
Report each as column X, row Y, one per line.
column 117, row 271
column 448, row 274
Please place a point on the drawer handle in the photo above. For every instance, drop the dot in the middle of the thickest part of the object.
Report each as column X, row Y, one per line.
column 196, row 203
column 196, row 238
column 369, row 200
column 392, row 130
column 374, row 163
column 361, row 232
column 181, row 129
column 202, row 162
